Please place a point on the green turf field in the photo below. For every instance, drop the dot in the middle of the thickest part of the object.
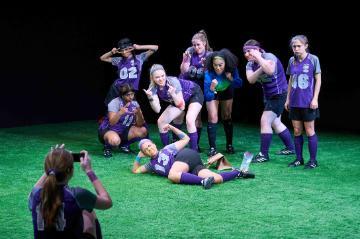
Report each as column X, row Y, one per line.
column 280, row 202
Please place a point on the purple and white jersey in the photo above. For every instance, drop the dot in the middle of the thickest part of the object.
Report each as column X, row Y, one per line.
column 125, row 121
column 185, row 86
column 69, row 218
column 196, row 69
column 302, row 87
column 274, row 84
column 129, row 69
column 162, row 162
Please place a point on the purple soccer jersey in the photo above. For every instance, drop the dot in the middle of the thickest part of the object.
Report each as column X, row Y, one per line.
column 69, row 218
column 274, row 84
column 179, row 84
column 302, row 87
column 129, row 69
column 196, row 69
column 162, row 162
column 125, row 121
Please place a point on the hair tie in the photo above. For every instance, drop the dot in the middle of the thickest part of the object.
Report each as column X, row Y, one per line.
column 51, row 171
column 249, row 47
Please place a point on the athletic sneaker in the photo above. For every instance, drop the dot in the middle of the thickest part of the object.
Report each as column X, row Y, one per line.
column 212, row 152
column 208, row 182
column 260, row 158
column 107, row 153
column 311, row 164
column 285, row 151
column 296, row 163
column 230, row 149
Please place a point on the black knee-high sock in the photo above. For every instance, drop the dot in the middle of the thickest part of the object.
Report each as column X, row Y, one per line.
column 228, row 128
column 107, row 145
column 211, row 129
column 199, row 134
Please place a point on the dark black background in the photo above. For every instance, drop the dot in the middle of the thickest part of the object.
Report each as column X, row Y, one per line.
column 51, row 71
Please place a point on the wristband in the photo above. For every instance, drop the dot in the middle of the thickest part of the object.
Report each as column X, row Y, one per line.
column 91, row 176
column 151, row 99
column 137, row 159
column 181, row 135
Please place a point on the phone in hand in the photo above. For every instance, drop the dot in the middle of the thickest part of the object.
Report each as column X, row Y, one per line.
column 77, row 156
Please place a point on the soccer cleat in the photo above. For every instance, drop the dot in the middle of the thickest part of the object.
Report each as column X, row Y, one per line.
column 285, row 151
column 212, row 152
column 107, row 153
column 245, row 175
column 259, row 158
column 208, row 182
column 230, row 149
column 311, row 164
column 124, row 149
column 296, row 163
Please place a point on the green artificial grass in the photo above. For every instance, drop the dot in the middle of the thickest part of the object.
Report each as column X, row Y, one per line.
column 280, row 202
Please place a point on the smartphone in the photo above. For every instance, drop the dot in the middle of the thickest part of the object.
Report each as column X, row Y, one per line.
column 77, row 156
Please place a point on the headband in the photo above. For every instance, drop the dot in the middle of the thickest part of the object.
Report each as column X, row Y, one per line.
column 219, row 58
column 143, row 141
column 247, row 48
column 156, row 67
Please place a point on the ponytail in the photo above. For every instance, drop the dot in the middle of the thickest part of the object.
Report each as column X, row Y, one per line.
column 51, row 200
column 202, row 36
column 58, row 166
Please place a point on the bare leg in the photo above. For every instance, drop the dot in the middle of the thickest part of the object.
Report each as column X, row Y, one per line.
column 176, row 170
column 112, row 138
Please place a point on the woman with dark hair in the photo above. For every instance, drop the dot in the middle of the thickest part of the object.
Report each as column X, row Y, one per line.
column 266, row 68
column 60, row 211
column 221, row 77
column 128, row 64
column 124, row 123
